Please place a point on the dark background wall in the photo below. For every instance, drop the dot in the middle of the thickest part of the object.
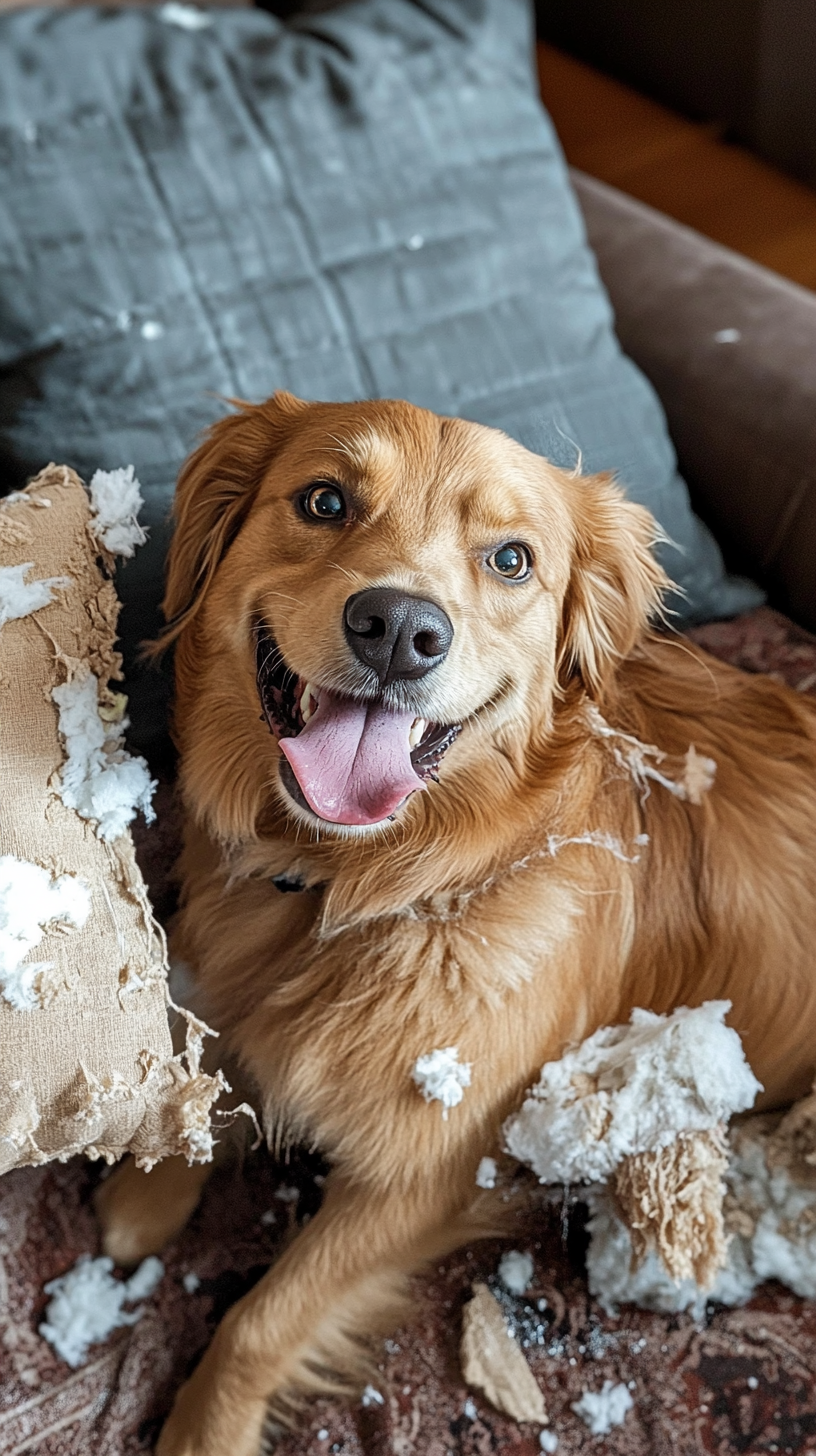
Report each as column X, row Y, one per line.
column 747, row 65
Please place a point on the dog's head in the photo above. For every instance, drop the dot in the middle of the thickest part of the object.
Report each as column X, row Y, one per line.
column 358, row 588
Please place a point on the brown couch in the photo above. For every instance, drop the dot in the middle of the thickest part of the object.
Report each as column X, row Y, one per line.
column 731, row 350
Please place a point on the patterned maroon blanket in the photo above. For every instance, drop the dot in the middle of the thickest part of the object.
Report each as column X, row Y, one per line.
column 741, row 1381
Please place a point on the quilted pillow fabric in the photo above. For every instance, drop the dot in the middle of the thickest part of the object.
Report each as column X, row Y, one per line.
column 371, row 202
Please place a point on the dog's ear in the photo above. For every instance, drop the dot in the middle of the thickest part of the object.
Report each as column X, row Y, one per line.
column 616, row 585
column 214, row 494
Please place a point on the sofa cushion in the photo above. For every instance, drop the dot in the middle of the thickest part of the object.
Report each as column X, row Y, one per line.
column 369, row 202
column 87, row 1062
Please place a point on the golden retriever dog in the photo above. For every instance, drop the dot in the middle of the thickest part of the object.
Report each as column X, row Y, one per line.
column 416, row 684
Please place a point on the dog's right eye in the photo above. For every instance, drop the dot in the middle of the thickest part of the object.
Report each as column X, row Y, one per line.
column 324, row 501
column 512, row 561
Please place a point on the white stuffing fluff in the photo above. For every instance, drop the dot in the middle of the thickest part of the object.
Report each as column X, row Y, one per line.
column 371, row 1396
column 18, row 597
column 516, row 1271
column 144, row 1280
column 548, row 1441
column 116, row 499
column 776, row 1239
column 441, row 1077
column 603, row 1409
column 87, row 1304
column 783, row 1212
column 631, row 1089
column 487, row 1173
column 186, row 17
column 99, row 778
column 612, row 1279
column 30, row 900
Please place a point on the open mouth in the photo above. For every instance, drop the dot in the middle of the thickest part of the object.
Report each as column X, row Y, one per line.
column 349, row 761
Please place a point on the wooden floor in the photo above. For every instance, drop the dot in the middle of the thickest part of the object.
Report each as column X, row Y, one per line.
column 681, row 168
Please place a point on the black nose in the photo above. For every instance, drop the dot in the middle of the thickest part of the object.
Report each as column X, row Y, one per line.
column 397, row 635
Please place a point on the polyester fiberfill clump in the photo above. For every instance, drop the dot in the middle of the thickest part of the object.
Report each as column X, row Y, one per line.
column 19, row 597
column 770, row 1220
column 116, row 499
column 87, row 1304
column 603, row 1409
column 99, row 778
column 441, row 1077
column 30, row 900
column 631, row 1089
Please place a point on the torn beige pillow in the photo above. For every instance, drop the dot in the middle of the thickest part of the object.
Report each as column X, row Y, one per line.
column 87, row 1063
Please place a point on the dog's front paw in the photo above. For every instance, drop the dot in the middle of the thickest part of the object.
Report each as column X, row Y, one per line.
column 141, row 1212
column 225, row 1424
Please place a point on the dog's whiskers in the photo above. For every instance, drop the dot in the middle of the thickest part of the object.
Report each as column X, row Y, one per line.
column 352, row 576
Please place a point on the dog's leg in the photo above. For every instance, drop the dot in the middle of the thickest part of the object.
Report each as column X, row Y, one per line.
column 141, row 1212
column 304, row 1327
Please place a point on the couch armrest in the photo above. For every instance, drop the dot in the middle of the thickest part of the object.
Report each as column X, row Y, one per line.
column 731, row 349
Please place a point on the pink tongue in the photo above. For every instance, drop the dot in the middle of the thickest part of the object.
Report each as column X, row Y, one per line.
column 352, row 760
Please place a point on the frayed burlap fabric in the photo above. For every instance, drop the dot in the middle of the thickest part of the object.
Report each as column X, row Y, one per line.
column 87, row 1062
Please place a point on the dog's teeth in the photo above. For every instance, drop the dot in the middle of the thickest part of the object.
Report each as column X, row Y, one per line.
column 417, row 729
column 306, row 709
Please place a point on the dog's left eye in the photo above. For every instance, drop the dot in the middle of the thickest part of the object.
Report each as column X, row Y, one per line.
column 512, row 560
column 324, row 502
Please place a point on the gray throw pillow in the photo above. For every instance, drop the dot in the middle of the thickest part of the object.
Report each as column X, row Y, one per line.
column 369, row 202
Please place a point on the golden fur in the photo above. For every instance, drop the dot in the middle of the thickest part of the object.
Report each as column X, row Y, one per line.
column 479, row 918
